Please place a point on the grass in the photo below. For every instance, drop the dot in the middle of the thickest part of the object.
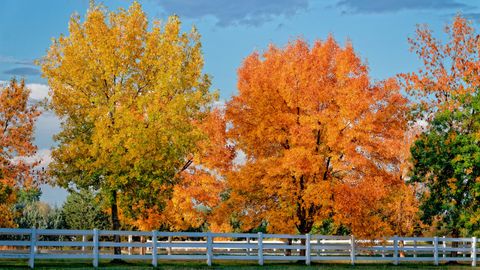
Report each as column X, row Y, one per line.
column 231, row 265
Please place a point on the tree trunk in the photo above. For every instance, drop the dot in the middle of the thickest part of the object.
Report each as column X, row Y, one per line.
column 455, row 234
column 454, row 253
column 288, row 252
column 304, row 228
column 115, row 222
column 303, row 251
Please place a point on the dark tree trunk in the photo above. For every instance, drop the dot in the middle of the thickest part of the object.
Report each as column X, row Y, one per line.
column 303, row 251
column 288, row 252
column 304, row 214
column 115, row 222
column 455, row 234
column 304, row 228
column 454, row 253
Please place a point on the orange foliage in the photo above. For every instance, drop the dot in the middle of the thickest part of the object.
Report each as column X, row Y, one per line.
column 17, row 121
column 449, row 69
column 321, row 140
column 199, row 188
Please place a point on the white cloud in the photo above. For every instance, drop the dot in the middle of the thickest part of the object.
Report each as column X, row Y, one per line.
column 240, row 158
column 219, row 104
column 39, row 91
column 44, row 156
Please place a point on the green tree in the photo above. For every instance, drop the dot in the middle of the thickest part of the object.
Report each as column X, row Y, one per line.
column 130, row 100
column 32, row 213
column 83, row 211
column 446, row 162
column 41, row 215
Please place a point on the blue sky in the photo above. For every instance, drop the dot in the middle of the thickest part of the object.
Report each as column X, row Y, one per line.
column 230, row 31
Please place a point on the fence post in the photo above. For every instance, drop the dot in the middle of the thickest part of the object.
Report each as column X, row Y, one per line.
column 33, row 240
column 383, row 247
column 318, row 246
column 248, row 243
column 395, row 250
column 414, row 248
column 84, row 239
column 260, row 248
column 95, row 248
column 444, row 246
column 209, row 249
column 154, row 248
column 435, row 250
column 352, row 249
column 474, row 251
column 130, row 240
column 169, row 249
column 307, row 249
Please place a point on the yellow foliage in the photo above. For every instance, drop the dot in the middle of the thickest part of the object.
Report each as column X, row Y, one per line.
column 131, row 98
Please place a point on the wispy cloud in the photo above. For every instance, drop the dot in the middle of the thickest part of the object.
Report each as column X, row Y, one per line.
column 228, row 12
column 22, row 71
column 475, row 16
column 43, row 156
column 13, row 60
column 382, row 6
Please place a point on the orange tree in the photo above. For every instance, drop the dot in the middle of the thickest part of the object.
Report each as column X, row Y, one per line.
column 321, row 140
column 449, row 69
column 17, row 121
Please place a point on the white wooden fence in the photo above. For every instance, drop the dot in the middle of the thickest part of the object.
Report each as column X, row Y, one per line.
column 156, row 246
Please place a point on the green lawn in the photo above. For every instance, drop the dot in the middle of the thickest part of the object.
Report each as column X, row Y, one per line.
column 78, row 264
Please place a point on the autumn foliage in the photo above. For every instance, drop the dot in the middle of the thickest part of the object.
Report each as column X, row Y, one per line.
column 449, row 68
column 199, row 187
column 445, row 156
column 321, row 141
column 309, row 140
column 17, row 120
column 132, row 100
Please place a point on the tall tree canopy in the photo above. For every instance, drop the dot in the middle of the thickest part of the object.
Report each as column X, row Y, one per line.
column 321, row 140
column 17, row 121
column 444, row 156
column 446, row 160
column 449, row 68
column 131, row 102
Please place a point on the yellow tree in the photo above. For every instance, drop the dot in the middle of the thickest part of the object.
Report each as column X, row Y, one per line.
column 17, row 121
column 130, row 100
column 321, row 141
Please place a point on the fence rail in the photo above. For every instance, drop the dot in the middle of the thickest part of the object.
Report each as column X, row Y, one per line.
column 156, row 246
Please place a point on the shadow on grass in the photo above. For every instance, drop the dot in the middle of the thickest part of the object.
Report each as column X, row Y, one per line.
column 234, row 265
